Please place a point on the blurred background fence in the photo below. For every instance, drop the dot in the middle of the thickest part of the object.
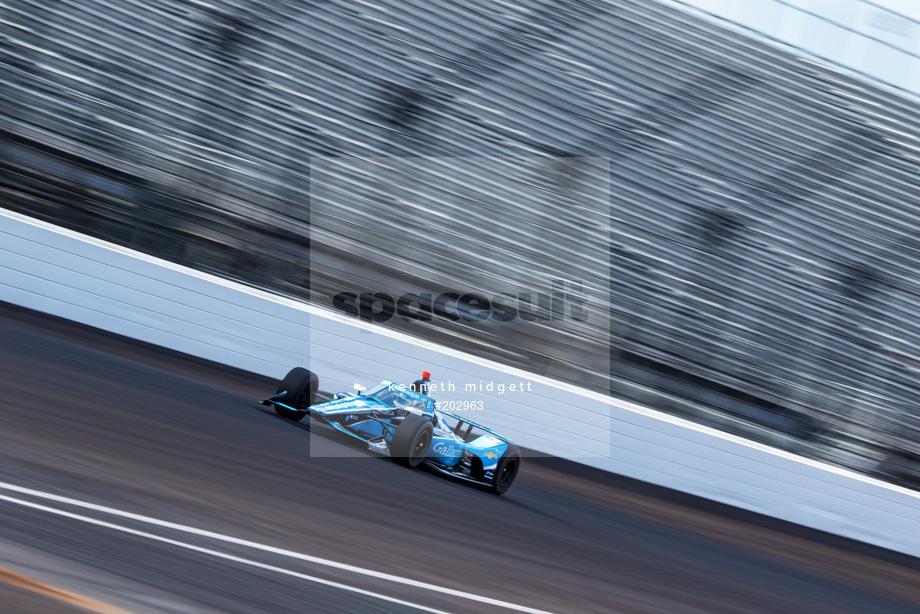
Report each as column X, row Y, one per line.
column 763, row 219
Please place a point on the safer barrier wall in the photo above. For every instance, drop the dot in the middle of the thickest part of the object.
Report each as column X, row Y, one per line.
column 61, row 272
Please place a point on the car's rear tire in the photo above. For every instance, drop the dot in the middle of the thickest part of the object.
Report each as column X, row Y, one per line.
column 506, row 470
column 299, row 386
column 411, row 442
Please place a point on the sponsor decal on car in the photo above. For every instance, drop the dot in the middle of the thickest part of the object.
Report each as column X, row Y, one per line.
column 445, row 450
column 490, row 454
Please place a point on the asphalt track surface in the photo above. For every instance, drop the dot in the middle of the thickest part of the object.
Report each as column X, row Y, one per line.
column 148, row 481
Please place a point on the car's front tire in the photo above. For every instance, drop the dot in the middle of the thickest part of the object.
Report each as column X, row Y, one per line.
column 299, row 386
column 411, row 442
column 506, row 470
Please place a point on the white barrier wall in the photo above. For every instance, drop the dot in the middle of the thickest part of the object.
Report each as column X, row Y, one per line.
column 61, row 272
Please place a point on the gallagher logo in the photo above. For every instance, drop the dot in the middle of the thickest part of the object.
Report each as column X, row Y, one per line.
column 566, row 300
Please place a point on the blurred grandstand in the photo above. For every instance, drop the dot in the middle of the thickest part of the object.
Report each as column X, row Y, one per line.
column 764, row 221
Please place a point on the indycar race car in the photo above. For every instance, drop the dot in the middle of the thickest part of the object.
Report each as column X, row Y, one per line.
column 394, row 421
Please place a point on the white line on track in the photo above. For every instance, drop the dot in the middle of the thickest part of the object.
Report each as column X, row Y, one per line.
column 249, row 544
column 216, row 554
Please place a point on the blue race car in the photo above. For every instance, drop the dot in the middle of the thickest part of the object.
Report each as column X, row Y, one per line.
column 394, row 421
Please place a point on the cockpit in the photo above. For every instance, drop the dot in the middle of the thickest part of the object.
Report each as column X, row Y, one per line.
column 396, row 396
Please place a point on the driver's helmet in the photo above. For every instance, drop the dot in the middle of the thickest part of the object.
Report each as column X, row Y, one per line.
column 421, row 385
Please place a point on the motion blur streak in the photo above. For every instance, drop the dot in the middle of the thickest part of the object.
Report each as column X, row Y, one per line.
column 11, row 578
column 760, row 270
column 248, row 544
column 217, row 554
